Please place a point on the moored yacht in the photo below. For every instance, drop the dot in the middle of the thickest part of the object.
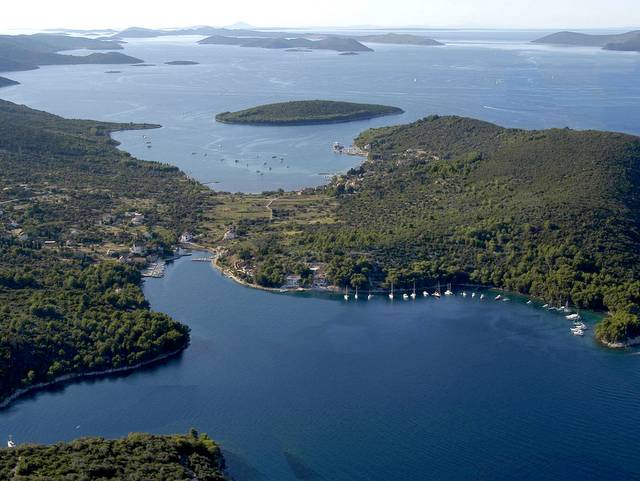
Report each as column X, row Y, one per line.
column 413, row 294
column 448, row 292
column 10, row 443
column 346, row 294
column 391, row 293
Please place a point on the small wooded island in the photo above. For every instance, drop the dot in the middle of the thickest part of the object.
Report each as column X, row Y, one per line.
column 182, row 62
column 307, row 112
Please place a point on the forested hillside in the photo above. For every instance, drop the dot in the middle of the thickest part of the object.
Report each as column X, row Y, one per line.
column 138, row 457
column 554, row 214
column 65, row 210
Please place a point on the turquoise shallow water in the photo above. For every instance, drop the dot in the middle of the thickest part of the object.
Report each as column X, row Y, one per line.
column 310, row 387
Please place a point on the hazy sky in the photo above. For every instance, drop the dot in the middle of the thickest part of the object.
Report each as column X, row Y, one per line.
column 39, row 14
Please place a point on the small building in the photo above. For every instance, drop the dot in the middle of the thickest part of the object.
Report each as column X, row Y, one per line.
column 137, row 219
column 138, row 249
column 292, row 281
column 230, row 234
column 186, row 237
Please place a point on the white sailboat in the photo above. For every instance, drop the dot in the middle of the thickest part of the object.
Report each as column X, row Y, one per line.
column 10, row 443
column 464, row 293
column 413, row 294
column 391, row 293
column 369, row 296
column 437, row 293
column 425, row 294
column 346, row 294
column 448, row 292
column 481, row 296
column 355, row 296
column 473, row 294
column 405, row 296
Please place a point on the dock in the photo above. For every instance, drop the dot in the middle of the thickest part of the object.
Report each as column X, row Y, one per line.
column 157, row 270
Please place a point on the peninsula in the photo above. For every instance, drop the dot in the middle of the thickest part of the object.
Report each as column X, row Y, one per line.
column 551, row 214
column 78, row 221
column 307, row 112
column 28, row 52
column 5, row 82
column 629, row 41
column 138, row 456
column 182, row 62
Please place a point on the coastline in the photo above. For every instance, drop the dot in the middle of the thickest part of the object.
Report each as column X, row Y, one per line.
column 6, row 402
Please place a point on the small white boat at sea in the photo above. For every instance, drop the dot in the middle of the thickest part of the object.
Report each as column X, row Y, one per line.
column 464, row 294
column 545, row 306
column 481, row 296
column 437, row 293
column 577, row 332
column 413, row 294
column 497, row 298
column 448, row 292
column 573, row 317
column 473, row 294
column 425, row 294
column 10, row 443
column 346, row 294
column 355, row 296
column 581, row 325
column 505, row 299
column 405, row 296
column 391, row 293
column 529, row 302
column 369, row 296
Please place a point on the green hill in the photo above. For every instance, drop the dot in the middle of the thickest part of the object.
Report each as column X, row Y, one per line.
column 27, row 52
column 67, row 306
column 553, row 214
column 307, row 112
column 136, row 457
column 622, row 41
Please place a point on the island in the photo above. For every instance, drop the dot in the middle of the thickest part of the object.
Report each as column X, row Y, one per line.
column 182, row 62
column 550, row 214
column 338, row 44
column 307, row 112
column 73, row 244
column 399, row 39
column 174, row 457
column 629, row 41
column 5, row 82
column 28, row 52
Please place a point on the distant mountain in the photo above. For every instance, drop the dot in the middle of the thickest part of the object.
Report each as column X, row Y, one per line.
column 338, row 44
column 240, row 25
column 27, row 52
column 5, row 82
column 399, row 39
column 624, row 41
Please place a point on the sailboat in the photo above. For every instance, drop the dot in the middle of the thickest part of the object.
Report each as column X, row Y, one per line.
column 448, row 292
column 464, row 293
column 391, row 293
column 356, row 294
column 425, row 294
column 10, row 443
column 473, row 294
column 413, row 294
column 370, row 296
column 346, row 294
column 405, row 296
column 437, row 293
column 481, row 296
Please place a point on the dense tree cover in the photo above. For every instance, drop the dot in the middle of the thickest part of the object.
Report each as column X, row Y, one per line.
column 64, row 308
column 306, row 112
column 138, row 457
column 553, row 214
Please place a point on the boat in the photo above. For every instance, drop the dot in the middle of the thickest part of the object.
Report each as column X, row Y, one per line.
column 10, row 443
column 346, row 294
column 505, row 299
column 448, row 292
column 481, row 296
column 577, row 332
column 581, row 325
column 355, row 296
column 529, row 302
column 370, row 296
column 497, row 298
column 425, row 294
column 545, row 306
column 405, row 296
column 573, row 317
column 391, row 293
column 464, row 293
column 437, row 292
column 413, row 294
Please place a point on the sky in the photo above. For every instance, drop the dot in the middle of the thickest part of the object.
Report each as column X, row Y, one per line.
column 548, row 14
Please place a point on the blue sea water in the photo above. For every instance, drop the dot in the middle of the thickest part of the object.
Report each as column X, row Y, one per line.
column 308, row 386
